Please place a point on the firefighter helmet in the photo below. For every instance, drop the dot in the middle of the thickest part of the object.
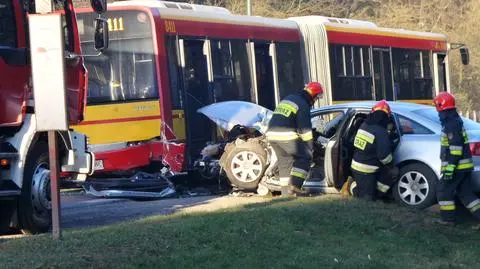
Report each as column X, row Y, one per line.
column 444, row 101
column 383, row 106
column 315, row 90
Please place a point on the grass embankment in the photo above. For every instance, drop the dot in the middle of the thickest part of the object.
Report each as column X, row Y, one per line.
column 300, row 233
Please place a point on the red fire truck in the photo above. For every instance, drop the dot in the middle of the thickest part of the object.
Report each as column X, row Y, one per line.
column 24, row 166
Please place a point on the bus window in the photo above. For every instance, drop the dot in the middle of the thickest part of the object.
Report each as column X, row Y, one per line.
column 351, row 65
column 174, row 72
column 8, row 33
column 290, row 76
column 231, row 73
column 126, row 71
column 442, row 76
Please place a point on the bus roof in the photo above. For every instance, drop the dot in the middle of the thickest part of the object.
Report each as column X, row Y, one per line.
column 203, row 13
column 365, row 27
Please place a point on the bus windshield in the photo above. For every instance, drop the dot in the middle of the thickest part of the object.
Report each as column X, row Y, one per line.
column 126, row 71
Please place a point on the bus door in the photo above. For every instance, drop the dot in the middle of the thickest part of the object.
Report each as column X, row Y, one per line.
column 264, row 75
column 382, row 71
column 196, row 94
column 440, row 70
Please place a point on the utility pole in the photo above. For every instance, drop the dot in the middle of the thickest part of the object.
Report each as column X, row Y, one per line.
column 249, row 7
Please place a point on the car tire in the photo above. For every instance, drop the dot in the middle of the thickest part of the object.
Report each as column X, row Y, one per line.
column 34, row 205
column 245, row 165
column 415, row 187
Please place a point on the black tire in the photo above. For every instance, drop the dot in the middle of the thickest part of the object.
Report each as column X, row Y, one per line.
column 255, row 152
column 419, row 180
column 34, row 207
column 7, row 208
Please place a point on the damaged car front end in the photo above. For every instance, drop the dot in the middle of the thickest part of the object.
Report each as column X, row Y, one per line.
column 244, row 157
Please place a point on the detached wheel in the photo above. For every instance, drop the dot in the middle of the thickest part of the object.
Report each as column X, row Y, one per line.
column 416, row 186
column 7, row 208
column 245, row 165
column 34, row 207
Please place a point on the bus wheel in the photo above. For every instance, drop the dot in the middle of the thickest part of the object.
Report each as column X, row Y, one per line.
column 34, row 208
column 7, row 208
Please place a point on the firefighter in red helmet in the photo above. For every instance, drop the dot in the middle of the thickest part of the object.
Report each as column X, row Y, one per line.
column 372, row 154
column 290, row 135
column 456, row 160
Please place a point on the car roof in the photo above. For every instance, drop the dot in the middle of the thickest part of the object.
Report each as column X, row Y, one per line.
column 396, row 106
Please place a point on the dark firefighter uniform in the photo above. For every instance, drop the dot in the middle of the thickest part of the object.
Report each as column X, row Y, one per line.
column 372, row 151
column 456, row 168
column 290, row 135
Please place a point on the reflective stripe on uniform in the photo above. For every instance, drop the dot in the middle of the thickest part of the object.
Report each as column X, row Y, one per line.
column 382, row 187
column 298, row 172
column 456, row 150
column 465, row 164
column 364, row 168
column 284, row 181
column 474, row 206
column 282, row 136
column 285, row 108
column 447, row 205
column 387, row 159
column 307, row 136
column 366, row 136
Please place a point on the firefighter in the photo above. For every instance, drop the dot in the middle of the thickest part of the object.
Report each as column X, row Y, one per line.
column 372, row 165
column 290, row 135
column 456, row 160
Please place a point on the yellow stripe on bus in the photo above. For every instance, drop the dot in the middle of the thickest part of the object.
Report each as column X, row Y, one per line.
column 123, row 122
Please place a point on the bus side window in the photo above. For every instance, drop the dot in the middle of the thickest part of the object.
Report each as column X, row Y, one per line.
column 174, row 73
column 290, row 76
column 8, row 32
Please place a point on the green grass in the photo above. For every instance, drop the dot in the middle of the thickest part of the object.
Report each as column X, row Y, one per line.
column 301, row 233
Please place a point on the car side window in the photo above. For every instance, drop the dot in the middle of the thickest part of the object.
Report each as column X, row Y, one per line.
column 408, row 126
column 327, row 123
column 8, row 31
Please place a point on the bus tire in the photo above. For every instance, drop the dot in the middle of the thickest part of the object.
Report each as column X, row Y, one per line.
column 245, row 165
column 34, row 205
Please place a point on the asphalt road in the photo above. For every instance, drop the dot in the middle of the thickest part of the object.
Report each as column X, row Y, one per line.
column 81, row 211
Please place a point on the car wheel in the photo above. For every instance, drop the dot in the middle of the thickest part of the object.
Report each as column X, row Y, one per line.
column 245, row 165
column 34, row 205
column 415, row 187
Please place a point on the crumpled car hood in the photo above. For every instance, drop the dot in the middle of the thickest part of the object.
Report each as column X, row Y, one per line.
column 230, row 113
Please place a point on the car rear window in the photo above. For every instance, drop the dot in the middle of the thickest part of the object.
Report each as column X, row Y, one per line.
column 432, row 114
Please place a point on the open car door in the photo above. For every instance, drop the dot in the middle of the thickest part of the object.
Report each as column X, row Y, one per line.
column 339, row 152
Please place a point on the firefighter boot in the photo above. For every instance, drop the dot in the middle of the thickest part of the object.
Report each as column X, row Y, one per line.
column 296, row 185
column 345, row 191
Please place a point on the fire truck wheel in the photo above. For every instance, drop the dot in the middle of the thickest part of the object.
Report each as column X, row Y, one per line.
column 7, row 208
column 246, row 165
column 34, row 208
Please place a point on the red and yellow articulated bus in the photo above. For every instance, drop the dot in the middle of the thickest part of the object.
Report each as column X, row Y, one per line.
column 168, row 59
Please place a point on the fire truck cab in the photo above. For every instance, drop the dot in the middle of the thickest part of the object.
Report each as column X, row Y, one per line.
column 25, row 201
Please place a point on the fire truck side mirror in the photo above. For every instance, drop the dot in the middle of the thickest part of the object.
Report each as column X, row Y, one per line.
column 100, row 6
column 101, row 34
column 465, row 55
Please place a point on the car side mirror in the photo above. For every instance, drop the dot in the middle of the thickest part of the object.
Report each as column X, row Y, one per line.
column 100, row 6
column 465, row 55
column 101, row 34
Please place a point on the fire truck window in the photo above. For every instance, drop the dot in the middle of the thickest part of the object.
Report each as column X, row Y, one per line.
column 231, row 73
column 289, row 64
column 126, row 71
column 8, row 32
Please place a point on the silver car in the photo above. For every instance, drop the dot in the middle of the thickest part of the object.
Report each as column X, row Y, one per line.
column 416, row 131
